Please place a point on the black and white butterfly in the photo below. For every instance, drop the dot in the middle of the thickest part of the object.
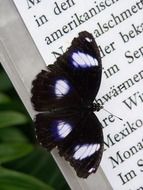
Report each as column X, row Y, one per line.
column 63, row 95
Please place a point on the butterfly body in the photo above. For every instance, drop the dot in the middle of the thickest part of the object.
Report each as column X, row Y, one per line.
column 64, row 97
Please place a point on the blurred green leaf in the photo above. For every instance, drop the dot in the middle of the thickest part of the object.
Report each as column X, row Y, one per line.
column 42, row 166
column 12, row 134
column 11, row 180
column 15, row 105
column 12, row 151
column 4, row 99
column 5, row 83
column 9, row 118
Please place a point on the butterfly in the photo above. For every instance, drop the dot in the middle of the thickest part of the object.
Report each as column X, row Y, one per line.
column 64, row 96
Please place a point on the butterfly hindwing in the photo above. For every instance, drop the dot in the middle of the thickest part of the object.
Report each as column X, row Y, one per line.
column 53, row 89
column 52, row 130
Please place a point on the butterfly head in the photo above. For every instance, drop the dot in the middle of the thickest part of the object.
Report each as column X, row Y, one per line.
column 94, row 107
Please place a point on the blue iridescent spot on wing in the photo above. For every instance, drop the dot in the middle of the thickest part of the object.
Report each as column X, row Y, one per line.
column 85, row 150
column 61, row 129
column 83, row 60
column 61, row 88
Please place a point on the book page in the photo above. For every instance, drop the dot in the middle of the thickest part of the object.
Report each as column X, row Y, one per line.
column 117, row 27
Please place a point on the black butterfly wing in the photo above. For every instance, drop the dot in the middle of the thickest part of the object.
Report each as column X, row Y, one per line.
column 82, row 62
column 84, row 146
column 77, row 136
column 81, row 66
column 53, row 129
column 53, row 90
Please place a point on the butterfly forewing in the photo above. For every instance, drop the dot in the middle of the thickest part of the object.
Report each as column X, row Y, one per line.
column 64, row 94
column 84, row 146
column 82, row 62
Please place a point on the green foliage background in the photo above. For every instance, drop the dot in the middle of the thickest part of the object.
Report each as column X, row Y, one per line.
column 23, row 164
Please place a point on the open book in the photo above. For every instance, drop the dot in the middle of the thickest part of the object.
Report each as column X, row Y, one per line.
column 117, row 27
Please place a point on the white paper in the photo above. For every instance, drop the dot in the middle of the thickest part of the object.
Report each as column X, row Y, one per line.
column 117, row 26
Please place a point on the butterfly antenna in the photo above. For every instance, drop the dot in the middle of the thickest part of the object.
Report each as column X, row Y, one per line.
column 112, row 114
